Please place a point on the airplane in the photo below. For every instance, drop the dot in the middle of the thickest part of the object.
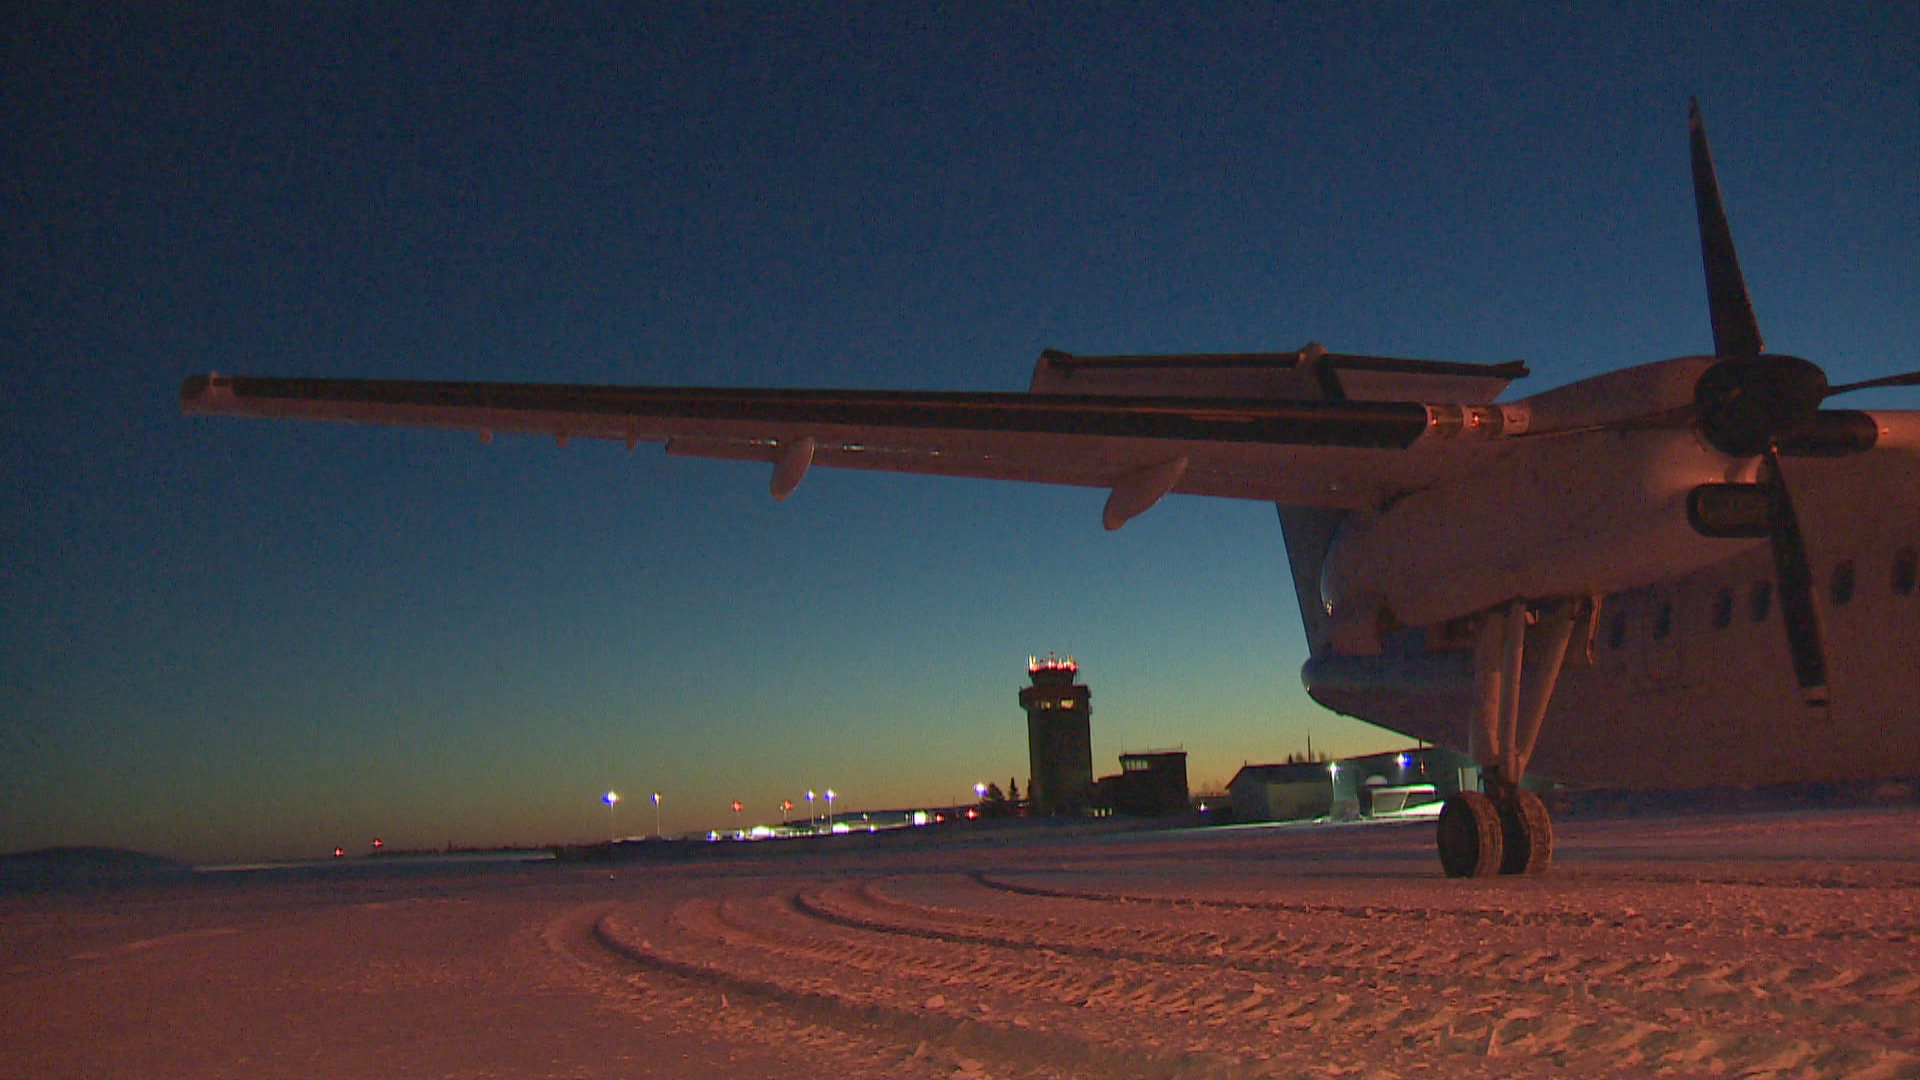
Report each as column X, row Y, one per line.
column 1682, row 573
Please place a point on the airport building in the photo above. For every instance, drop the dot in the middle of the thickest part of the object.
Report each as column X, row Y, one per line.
column 1059, row 737
column 1284, row 791
column 1152, row 783
column 1376, row 785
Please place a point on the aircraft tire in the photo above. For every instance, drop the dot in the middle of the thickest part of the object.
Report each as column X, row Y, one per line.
column 1527, row 834
column 1471, row 838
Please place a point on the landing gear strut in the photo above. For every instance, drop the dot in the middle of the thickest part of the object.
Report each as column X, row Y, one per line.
column 1505, row 829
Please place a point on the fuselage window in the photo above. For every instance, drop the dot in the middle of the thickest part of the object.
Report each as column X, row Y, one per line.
column 1723, row 609
column 1762, row 600
column 1905, row 566
column 1617, row 631
column 1841, row 588
column 1663, row 621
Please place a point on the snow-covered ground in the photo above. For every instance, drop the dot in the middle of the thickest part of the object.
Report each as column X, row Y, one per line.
column 1777, row 944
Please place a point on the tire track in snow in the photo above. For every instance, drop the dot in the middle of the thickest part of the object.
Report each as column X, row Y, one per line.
column 1162, row 968
column 1754, row 1005
column 1731, row 1009
column 885, row 1013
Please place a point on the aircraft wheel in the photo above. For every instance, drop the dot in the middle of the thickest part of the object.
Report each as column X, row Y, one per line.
column 1526, row 834
column 1470, row 836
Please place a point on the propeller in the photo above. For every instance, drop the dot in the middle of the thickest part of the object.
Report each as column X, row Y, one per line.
column 1752, row 403
column 1911, row 378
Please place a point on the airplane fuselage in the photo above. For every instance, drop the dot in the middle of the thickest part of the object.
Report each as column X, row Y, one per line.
column 1686, row 681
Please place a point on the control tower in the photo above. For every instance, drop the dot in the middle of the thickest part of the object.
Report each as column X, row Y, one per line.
column 1059, row 737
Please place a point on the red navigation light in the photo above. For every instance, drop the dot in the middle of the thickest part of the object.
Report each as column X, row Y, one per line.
column 339, row 852
column 378, row 843
column 736, row 806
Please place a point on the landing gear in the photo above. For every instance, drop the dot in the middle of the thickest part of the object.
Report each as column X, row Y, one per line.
column 1470, row 836
column 1518, row 652
column 1505, row 832
column 1526, row 834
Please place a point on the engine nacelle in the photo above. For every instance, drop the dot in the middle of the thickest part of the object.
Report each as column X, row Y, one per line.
column 1563, row 515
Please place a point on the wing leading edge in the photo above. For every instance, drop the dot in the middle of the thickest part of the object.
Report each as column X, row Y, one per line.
column 1327, row 453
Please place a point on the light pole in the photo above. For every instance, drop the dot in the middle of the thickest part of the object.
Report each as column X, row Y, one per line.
column 656, row 815
column 810, row 818
column 613, row 834
column 829, row 809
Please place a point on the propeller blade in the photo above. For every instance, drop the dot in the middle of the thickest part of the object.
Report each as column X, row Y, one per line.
column 1911, row 378
column 1735, row 330
column 1805, row 642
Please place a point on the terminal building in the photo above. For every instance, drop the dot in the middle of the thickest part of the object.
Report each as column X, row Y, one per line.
column 1059, row 737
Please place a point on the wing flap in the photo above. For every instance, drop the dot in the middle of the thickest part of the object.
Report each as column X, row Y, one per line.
column 1307, row 374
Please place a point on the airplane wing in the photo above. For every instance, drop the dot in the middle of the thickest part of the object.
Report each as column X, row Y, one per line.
column 1339, row 453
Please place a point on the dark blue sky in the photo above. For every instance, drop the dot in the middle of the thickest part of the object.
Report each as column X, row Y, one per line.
column 223, row 639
